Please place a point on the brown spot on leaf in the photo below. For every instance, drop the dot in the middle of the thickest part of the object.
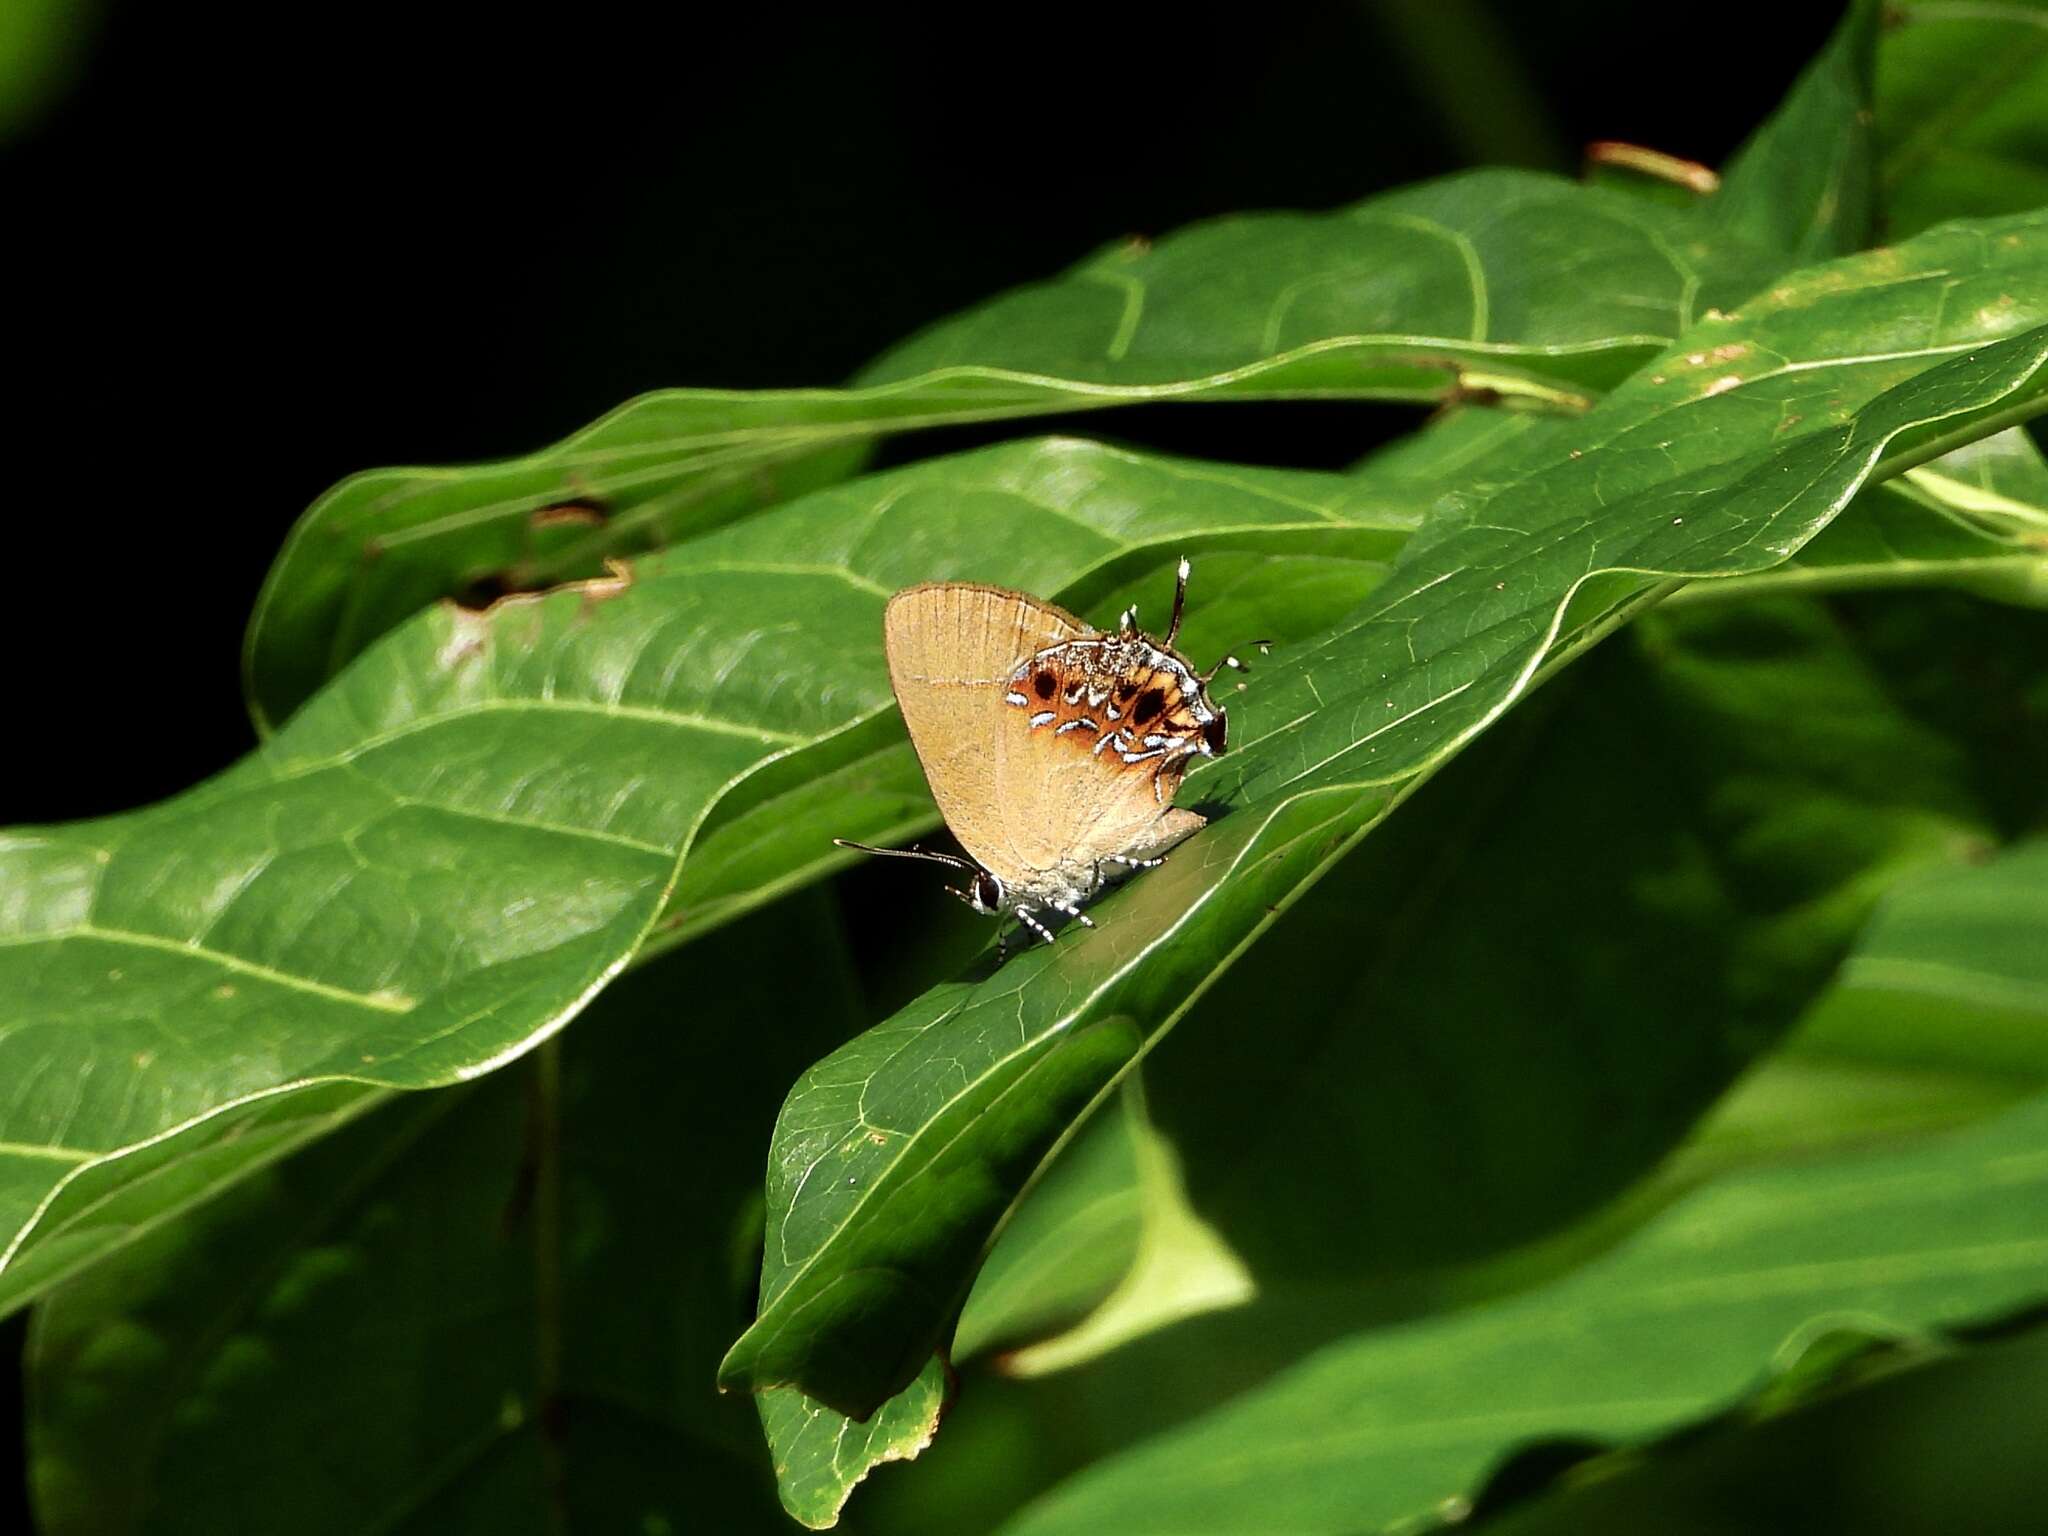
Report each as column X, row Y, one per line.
column 578, row 511
column 493, row 590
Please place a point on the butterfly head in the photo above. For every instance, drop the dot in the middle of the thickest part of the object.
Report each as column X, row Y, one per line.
column 984, row 893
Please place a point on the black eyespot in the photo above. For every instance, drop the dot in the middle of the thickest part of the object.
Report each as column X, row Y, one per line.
column 1213, row 733
column 1124, row 690
column 1150, row 702
column 1044, row 684
column 988, row 892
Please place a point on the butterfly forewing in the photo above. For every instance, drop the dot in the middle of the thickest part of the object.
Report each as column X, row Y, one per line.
column 951, row 648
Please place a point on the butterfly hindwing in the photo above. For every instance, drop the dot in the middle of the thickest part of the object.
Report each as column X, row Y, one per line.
column 951, row 648
column 1076, row 782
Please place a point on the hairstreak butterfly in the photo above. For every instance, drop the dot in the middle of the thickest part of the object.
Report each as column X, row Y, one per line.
column 1053, row 749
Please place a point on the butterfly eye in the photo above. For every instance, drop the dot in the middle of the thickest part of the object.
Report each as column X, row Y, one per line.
column 988, row 893
column 1213, row 731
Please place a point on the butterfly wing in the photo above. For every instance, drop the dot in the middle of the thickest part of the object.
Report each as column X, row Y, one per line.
column 1067, row 796
column 951, row 645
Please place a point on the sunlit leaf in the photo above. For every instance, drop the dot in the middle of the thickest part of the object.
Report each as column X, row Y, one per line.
column 1178, row 1265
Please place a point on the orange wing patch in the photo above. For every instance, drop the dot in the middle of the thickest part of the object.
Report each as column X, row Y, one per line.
column 1130, row 719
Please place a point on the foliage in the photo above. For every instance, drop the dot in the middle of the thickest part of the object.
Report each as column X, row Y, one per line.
column 1608, row 998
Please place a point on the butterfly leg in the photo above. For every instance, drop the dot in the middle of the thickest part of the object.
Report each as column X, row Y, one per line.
column 1024, row 916
column 1130, row 863
column 1072, row 911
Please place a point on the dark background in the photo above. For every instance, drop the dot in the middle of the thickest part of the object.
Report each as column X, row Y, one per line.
column 249, row 257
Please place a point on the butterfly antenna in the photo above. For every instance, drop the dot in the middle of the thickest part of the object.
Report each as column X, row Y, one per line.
column 1180, row 600
column 906, row 853
column 1231, row 662
column 1205, row 678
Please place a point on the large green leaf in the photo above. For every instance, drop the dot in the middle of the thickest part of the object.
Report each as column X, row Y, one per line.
column 1962, row 124
column 1975, row 519
column 1921, row 1438
column 1735, row 1284
column 896, row 1158
column 442, row 858
column 1482, row 274
column 1478, row 281
column 497, row 1305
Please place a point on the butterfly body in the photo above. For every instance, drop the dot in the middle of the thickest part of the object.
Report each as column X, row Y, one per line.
column 1053, row 750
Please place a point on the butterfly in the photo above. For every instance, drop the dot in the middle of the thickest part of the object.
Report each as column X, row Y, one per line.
column 1053, row 750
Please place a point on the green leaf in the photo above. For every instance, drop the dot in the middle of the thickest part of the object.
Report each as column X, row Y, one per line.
column 1109, row 1245
column 1508, row 1077
column 1691, row 1315
column 445, row 855
column 822, row 1456
column 1176, row 1265
column 1452, row 446
column 1724, row 458
column 1070, row 1244
column 1529, row 984
column 1534, row 978
column 1478, row 277
column 1962, row 104
column 1474, row 282
column 497, row 1306
column 384, row 544
column 1962, row 946
column 1804, row 182
column 1914, row 1438
column 1975, row 519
